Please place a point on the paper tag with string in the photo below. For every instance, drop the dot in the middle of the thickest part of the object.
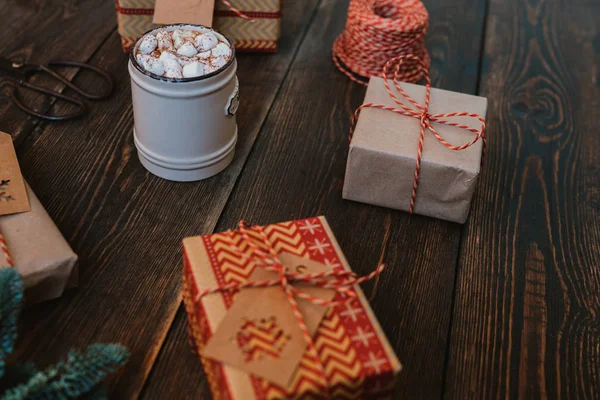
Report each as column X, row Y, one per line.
column 199, row 12
column 13, row 194
column 260, row 333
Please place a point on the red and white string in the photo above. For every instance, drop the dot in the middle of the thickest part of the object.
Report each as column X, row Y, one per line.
column 340, row 281
column 379, row 30
column 421, row 112
column 236, row 11
column 4, row 250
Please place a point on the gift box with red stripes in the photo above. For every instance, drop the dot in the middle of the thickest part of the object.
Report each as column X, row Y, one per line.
column 355, row 360
column 260, row 34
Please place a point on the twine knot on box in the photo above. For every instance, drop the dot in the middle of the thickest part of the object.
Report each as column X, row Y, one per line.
column 421, row 112
column 378, row 30
column 339, row 281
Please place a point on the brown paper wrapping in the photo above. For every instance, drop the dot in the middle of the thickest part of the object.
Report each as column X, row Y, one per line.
column 39, row 252
column 382, row 156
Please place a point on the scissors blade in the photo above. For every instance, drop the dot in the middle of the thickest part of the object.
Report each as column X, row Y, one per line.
column 7, row 68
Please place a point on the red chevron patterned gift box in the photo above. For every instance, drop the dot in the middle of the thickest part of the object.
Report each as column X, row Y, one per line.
column 252, row 25
column 275, row 312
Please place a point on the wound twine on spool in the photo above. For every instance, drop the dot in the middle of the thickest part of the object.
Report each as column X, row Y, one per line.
column 379, row 30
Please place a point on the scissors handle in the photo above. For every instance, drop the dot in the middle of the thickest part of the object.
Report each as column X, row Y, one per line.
column 103, row 74
column 80, row 110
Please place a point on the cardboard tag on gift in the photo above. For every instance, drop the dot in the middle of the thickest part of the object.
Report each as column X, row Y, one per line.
column 13, row 195
column 260, row 333
column 198, row 12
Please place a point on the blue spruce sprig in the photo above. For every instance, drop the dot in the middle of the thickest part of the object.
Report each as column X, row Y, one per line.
column 79, row 375
column 11, row 296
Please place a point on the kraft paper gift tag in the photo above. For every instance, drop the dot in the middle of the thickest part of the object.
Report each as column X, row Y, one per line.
column 198, row 12
column 260, row 333
column 13, row 195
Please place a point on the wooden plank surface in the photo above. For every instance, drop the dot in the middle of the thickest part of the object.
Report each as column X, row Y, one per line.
column 42, row 31
column 524, row 320
column 126, row 224
column 527, row 307
column 296, row 170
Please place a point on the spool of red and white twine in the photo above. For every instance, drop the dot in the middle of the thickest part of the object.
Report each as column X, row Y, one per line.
column 379, row 30
column 4, row 251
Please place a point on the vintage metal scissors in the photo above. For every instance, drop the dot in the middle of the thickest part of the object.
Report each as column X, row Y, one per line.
column 16, row 75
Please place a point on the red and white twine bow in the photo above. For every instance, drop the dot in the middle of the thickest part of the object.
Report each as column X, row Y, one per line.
column 339, row 281
column 236, row 11
column 421, row 112
column 4, row 250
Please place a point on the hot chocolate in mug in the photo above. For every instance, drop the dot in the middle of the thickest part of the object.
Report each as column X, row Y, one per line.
column 185, row 128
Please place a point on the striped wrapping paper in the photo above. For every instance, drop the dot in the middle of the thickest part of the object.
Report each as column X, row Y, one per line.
column 134, row 18
column 358, row 360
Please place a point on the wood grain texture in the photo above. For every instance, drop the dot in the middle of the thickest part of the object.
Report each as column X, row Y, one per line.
column 44, row 30
column 126, row 224
column 527, row 307
column 296, row 170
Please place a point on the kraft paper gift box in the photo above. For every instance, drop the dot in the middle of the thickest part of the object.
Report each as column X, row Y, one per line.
column 135, row 17
column 39, row 253
column 359, row 361
column 383, row 152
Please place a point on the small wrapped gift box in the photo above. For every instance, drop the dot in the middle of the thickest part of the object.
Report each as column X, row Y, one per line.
column 249, row 341
column 385, row 147
column 36, row 249
column 259, row 33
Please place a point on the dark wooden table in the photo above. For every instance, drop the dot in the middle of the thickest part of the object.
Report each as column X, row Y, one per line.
column 507, row 305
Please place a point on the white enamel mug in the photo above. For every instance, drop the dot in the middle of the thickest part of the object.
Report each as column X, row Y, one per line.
column 185, row 129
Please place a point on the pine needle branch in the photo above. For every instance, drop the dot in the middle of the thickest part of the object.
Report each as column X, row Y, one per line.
column 77, row 375
column 11, row 296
